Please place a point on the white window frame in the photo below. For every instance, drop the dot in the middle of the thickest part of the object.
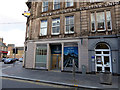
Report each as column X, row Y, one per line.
column 105, row 21
column 69, row 32
column 55, row 20
column 44, row 6
column 42, row 28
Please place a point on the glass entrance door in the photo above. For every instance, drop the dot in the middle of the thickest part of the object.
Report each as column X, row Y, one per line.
column 103, row 59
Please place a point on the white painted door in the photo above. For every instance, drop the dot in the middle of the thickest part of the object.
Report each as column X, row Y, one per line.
column 103, row 60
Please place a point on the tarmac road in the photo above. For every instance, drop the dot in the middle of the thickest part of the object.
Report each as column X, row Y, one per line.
column 15, row 83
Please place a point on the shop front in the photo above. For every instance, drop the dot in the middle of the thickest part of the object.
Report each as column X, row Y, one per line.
column 3, row 54
column 57, row 55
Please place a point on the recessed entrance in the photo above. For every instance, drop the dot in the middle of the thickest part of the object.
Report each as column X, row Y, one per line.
column 103, row 58
column 56, row 57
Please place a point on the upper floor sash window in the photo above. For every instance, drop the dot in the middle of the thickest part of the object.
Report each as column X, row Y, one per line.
column 55, row 26
column 45, row 6
column 69, row 3
column 101, row 21
column 43, row 28
column 69, row 24
column 56, row 4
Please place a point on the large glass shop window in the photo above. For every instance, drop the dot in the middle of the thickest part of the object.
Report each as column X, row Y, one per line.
column 70, row 54
column 41, row 56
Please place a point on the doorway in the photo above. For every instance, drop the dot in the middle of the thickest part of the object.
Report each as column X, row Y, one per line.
column 103, row 58
column 56, row 61
column 56, row 57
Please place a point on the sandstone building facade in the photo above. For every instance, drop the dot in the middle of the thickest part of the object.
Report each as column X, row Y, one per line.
column 59, row 32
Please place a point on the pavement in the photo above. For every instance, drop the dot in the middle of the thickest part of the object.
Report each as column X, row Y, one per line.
column 88, row 81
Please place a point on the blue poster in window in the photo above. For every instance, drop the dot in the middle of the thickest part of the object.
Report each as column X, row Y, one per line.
column 70, row 53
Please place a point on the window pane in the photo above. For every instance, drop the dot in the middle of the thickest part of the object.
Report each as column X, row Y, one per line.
column 92, row 21
column 107, row 69
column 45, row 6
column 108, row 14
column 105, row 52
column 98, row 60
column 67, row 21
column 43, row 29
column 102, row 46
column 56, row 25
column 98, row 52
column 41, row 58
column 72, row 28
column 67, row 28
column 99, row 69
column 106, row 60
column 69, row 24
column 56, row 4
column 100, row 20
column 68, row 4
column 43, row 23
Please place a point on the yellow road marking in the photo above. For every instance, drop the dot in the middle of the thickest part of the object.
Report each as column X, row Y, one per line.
column 38, row 83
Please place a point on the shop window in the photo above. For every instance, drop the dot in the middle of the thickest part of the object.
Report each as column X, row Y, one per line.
column 55, row 26
column 41, row 56
column 69, row 24
column 43, row 28
column 70, row 54
column 45, row 6
column 99, row 21
column 69, row 3
column 56, row 4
